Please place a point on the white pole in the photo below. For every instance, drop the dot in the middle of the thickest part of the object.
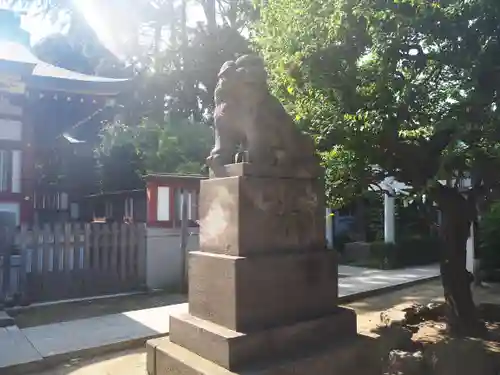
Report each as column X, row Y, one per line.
column 329, row 229
column 184, row 238
column 389, row 225
column 470, row 250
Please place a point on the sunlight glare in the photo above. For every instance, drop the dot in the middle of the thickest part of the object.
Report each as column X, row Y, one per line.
column 115, row 26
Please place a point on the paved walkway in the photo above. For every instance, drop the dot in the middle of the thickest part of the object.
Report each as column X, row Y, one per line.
column 358, row 282
column 116, row 331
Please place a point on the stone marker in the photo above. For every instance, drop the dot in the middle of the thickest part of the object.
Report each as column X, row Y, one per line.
column 263, row 288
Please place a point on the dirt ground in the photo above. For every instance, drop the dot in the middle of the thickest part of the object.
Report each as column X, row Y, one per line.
column 368, row 310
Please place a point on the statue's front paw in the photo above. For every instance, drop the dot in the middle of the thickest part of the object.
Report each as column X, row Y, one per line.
column 216, row 167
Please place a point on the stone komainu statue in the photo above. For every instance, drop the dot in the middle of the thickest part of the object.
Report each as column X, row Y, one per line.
column 248, row 117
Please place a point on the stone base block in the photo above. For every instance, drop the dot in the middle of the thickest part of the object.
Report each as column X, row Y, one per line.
column 242, row 216
column 234, row 350
column 6, row 320
column 254, row 293
column 249, row 169
column 354, row 356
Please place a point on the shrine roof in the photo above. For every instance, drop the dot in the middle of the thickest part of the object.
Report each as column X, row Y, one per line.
column 116, row 193
column 173, row 176
column 17, row 58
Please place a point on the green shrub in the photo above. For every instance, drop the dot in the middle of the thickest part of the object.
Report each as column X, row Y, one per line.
column 415, row 251
column 489, row 237
column 384, row 254
column 340, row 241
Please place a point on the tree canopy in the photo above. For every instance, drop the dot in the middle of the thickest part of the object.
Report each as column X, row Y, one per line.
column 411, row 84
column 165, row 125
column 150, row 148
column 410, row 87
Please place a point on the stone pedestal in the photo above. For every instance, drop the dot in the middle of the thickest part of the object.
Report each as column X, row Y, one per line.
column 263, row 287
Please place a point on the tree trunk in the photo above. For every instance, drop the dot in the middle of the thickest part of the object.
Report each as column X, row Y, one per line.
column 360, row 219
column 463, row 319
column 211, row 15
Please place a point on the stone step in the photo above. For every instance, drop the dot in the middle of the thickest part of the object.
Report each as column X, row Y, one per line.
column 356, row 355
column 233, row 350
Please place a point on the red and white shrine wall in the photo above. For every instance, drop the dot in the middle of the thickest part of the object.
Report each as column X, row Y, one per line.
column 15, row 146
column 164, row 197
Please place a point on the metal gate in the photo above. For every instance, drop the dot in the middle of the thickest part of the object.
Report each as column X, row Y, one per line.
column 8, row 258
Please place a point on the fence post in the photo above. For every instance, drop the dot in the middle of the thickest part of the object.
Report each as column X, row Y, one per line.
column 6, row 243
column 123, row 253
column 184, row 235
column 88, row 260
column 114, row 250
column 23, row 249
column 141, row 253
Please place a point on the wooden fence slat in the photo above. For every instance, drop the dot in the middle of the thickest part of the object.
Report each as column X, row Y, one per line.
column 96, row 257
column 6, row 242
column 49, row 261
column 96, row 265
column 131, row 257
column 105, row 247
column 76, row 272
column 75, row 260
column 67, row 261
column 114, row 249
column 77, row 238
column 105, row 279
column 123, row 254
column 34, row 247
column 33, row 255
column 141, row 255
column 55, row 284
column 38, row 262
column 87, row 264
column 23, row 238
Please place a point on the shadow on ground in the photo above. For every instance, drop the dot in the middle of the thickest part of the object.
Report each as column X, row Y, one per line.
column 423, row 294
column 131, row 362
column 36, row 316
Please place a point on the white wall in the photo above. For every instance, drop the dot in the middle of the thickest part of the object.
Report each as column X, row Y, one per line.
column 329, row 228
column 163, row 204
column 12, row 207
column 470, row 251
column 6, row 108
column 10, row 130
column 13, row 84
column 164, row 268
column 16, row 171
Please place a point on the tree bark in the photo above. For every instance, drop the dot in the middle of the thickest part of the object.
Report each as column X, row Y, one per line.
column 211, row 15
column 463, row 319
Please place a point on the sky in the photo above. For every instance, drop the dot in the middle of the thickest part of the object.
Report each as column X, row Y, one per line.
column 114, row 25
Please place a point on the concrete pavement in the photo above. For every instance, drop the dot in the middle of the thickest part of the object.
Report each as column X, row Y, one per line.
column 358, row 282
